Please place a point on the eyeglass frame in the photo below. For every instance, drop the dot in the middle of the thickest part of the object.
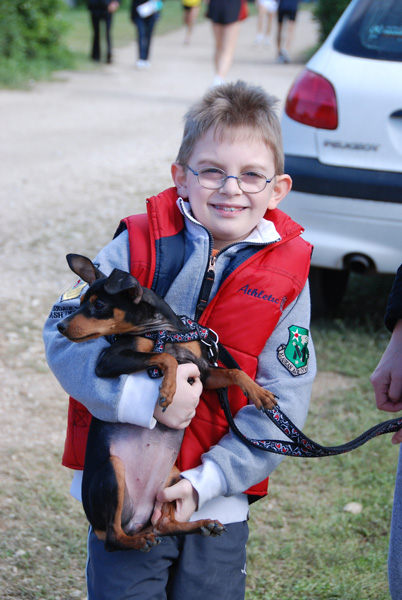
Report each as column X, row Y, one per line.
column 224, row 179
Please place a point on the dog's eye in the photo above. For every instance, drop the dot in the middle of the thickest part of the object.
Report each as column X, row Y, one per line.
column 99, row 305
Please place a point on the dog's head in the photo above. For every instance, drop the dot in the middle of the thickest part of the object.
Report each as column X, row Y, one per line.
column 112, row 304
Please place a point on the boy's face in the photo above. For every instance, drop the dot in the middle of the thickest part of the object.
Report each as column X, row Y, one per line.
column 229, row 213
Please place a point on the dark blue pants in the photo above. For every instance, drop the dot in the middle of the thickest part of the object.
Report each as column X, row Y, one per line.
column 145, row 28
column 189, row 567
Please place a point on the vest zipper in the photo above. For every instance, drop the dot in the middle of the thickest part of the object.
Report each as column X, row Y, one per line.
column 209, row 276
column 206, row 287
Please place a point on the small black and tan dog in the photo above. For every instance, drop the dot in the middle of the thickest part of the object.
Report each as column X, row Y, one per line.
column 126, row 465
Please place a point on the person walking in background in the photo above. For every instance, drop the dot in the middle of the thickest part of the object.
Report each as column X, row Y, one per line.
column 266, row 11
column 387, row 384
column 144, row 15
column 102, row 10
column 225, row 16
column 191, row 10
column 287, row 11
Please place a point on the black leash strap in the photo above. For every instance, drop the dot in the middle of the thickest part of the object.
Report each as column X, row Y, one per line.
column 301, row 445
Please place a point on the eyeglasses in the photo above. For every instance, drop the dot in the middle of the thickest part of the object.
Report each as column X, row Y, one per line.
column 212, row 178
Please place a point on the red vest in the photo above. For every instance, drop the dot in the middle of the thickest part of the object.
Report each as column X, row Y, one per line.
column 244, row 313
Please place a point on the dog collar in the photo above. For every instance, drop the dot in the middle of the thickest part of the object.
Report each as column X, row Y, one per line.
column 195, row 333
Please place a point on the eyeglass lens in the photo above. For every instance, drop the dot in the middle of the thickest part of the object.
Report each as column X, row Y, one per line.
column 249, row 181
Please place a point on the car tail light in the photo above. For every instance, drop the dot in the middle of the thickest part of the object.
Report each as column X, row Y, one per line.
column 312, row 101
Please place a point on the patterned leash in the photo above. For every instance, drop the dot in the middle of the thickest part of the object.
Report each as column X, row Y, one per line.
column 301, row 445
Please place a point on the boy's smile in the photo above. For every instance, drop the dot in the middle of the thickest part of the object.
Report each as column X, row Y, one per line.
column 229, row 213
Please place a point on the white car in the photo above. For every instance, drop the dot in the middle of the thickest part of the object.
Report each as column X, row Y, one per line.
column 342, row 132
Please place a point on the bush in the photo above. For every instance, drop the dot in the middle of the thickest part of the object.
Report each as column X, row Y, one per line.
column 327, row 12
column 31, row 39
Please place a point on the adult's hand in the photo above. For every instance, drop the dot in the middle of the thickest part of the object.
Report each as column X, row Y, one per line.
column 387, row 378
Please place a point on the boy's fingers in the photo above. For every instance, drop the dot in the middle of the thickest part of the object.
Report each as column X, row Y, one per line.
column 189, row 370
column 170, row 493
column 156, row 515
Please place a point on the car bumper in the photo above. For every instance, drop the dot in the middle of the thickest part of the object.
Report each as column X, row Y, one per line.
column 340, row 227
column 313, row 177
column 347, row 212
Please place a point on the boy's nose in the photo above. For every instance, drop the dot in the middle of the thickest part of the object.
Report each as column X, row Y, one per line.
column 231, row 186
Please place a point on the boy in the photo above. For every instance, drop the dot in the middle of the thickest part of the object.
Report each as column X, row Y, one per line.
column 218, row 250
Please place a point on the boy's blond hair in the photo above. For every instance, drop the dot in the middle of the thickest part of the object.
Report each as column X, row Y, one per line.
column 229, row 108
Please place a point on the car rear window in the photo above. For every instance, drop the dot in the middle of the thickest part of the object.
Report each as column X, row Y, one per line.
column 373, row 30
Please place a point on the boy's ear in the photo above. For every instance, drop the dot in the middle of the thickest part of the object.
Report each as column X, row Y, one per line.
column 179, row 179
column 282, row 187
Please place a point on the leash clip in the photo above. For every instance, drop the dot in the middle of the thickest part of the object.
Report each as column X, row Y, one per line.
column 212, row 342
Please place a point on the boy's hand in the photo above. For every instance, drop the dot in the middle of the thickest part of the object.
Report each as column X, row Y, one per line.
column 178, row 415
column 387, row 378
column 186, row 498
column 113, row 6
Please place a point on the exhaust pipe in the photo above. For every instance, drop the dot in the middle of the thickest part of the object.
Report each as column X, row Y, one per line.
column 358, row 263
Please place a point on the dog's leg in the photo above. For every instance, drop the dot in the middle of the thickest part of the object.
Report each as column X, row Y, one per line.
column 167, row 524
column 220, row 378
column 168, row 365
column 115, row 538
column 121, row 359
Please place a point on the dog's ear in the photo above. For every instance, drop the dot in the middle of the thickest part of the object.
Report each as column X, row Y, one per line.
column 84, row 268
column 121, row 281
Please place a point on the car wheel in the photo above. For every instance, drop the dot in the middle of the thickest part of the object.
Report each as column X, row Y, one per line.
column 327, row 287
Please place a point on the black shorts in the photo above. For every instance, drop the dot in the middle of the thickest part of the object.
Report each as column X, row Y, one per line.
column 290, row 14
column 224, row 12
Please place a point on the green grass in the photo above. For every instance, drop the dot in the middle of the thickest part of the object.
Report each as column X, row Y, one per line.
column 42, row 546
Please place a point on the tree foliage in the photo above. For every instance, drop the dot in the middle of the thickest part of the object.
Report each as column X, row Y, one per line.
column 327, row 12
column 31, row 37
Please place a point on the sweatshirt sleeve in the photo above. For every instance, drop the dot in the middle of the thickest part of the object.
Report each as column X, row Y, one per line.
column 73, row 364
column 394, row 306
column 233, row 466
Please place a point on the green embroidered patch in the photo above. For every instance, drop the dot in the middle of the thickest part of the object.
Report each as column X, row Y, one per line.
column 294, row 355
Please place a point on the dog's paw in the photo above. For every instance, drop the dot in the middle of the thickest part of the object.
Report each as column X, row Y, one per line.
column 164, row 402
column 268, row 399
column 262, row 398
column 212, row 529
column 150, row 542
column 166, row 394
